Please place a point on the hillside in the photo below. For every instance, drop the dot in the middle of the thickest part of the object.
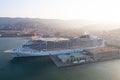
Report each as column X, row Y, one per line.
column 65, row 27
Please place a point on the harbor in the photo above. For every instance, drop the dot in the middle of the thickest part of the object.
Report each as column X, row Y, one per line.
column 85, row 56
column 32, row 67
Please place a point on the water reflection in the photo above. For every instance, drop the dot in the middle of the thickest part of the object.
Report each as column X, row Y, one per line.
column 20, row 68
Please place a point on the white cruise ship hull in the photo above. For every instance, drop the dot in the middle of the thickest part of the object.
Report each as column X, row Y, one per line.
column 20, row 52
column 24, row 51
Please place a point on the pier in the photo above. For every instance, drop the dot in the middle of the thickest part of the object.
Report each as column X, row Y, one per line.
column 60, row 64
column 92, row 55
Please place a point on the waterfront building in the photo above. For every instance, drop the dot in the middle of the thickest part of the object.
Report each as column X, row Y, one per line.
column 72, row 57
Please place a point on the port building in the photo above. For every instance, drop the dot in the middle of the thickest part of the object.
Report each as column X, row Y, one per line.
column 72, row 57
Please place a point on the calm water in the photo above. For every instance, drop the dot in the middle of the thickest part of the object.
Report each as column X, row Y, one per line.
column 37, row 69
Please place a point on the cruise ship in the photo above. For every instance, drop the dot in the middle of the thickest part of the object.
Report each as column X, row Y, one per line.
column 53, row 46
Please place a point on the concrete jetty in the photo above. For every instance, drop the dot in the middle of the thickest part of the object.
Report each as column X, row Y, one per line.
column 90, row 56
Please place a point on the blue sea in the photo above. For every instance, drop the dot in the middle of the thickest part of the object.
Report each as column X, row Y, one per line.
column 35, row 68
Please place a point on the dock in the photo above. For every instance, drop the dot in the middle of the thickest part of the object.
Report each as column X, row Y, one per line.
column 60, row 64
column 57, row 61
column 94, row 55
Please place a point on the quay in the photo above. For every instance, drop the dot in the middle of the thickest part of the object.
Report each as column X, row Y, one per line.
column 85, row 56
column 60, row 64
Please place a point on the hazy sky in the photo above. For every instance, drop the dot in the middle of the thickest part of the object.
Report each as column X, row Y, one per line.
column 95, row 10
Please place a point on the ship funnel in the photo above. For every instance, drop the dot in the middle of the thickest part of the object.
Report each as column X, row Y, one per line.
column 34, row 37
